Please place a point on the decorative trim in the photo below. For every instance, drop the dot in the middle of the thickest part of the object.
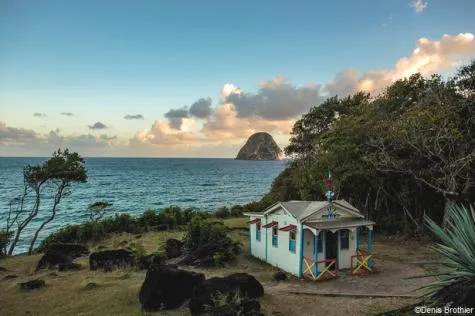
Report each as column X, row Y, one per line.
column 301, row 252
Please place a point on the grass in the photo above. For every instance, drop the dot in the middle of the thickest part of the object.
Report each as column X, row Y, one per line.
column 87, row 292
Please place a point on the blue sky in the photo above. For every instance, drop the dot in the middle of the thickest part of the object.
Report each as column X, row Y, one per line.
column 101, row 60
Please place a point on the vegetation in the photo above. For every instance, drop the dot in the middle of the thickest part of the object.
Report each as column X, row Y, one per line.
column 457, row 250
column 398, row 156
column 97, row 210
column 4, row 240
column 53, row 178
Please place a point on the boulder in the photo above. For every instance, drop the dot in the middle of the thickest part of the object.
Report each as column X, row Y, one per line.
column 279, row 276
column 260, row 146
column 70, row 250
column 69, row 266
column 51, row 259
column 167, row 287
column 244, row 283
column 144, row 262
column 210, row 254
column 33, row 284
column 108, row 259
column 173, row 248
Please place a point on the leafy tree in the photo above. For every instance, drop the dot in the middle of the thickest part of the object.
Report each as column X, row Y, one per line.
column 97, row 210
column 55, row 178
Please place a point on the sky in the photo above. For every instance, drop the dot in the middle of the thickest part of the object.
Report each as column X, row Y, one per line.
column 196, row 78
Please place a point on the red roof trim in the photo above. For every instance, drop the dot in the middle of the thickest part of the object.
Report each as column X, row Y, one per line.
column 255, row 220
column 271, row 224
column 288, row 228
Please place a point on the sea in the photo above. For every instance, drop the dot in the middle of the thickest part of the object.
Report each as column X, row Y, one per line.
column 134, row 185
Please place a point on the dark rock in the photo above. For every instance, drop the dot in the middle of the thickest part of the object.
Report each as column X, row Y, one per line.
column 173, row 248
column 11, row 276
column 260, row 146
column 69, row 266
column 33, row 284
column 244, row 283
column 144, row 262
column 69, row 250
column 51, row 259
column 280, row 276
column 210, row 254
column 167, row 287
column 108, row 259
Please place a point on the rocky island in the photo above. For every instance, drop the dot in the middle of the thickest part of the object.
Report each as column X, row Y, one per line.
column 260, row 146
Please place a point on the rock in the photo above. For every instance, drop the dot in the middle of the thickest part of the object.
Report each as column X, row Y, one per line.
column 70, row 250
column 51, row 259
column 11, row 276
column 33, row 284
column 173, row 248
column 279, row 276
column 210, row 254
column 167, row 287
column 260, row 146
column 69, row 266
column 244, row 283
column 144, row 262
column 108, row 259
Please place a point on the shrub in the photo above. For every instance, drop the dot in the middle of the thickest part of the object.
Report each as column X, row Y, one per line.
column 222, row 212
column 236, row 211
column 4, row 240
column 457, row 248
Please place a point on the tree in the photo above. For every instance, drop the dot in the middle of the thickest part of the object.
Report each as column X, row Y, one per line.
column 53, row 178
column 97, row 210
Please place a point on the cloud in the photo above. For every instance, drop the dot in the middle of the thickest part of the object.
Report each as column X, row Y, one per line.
column 162, row 134
column 67, row 113
column 419, row 5
column 133, row 117
column 36, row 114
column 276, row 99
column 176, row 116
column 15, row 135
column 201, row 108
column 97, row 126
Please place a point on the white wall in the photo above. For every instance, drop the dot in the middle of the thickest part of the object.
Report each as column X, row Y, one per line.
column 281, row 256
column 257, row 247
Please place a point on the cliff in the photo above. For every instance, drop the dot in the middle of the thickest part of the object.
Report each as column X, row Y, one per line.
column 260, row 146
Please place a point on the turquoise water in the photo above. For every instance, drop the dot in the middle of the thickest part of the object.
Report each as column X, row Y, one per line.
column 133, row 185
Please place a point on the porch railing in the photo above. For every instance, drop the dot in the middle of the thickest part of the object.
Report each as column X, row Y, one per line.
column 361, row 262
column 325, row 274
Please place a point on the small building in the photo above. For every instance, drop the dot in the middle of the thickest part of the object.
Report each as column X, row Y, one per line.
column 311, row 238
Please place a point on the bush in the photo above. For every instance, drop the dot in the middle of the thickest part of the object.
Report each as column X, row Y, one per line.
column 202, row 231
column 4, row 240
column 222, row 212
column 236, row 211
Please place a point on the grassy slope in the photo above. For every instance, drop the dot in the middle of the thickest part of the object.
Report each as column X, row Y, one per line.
column 116, row 293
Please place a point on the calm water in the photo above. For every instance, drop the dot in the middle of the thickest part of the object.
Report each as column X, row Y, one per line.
column 134, row 184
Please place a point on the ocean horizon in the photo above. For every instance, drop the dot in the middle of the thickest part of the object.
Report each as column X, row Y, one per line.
column 134, row 185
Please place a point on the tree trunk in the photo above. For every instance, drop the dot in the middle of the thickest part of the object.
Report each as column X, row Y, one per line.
column 57, row 199
column 448, row 203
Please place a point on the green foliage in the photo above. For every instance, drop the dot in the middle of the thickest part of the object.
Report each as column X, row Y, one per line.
column 5, row 237
column 222, row 212
column 202, row 231
column 397, row 156
column 236, row 211
column 457, row 249
column 97, row 210
column 119, row 223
